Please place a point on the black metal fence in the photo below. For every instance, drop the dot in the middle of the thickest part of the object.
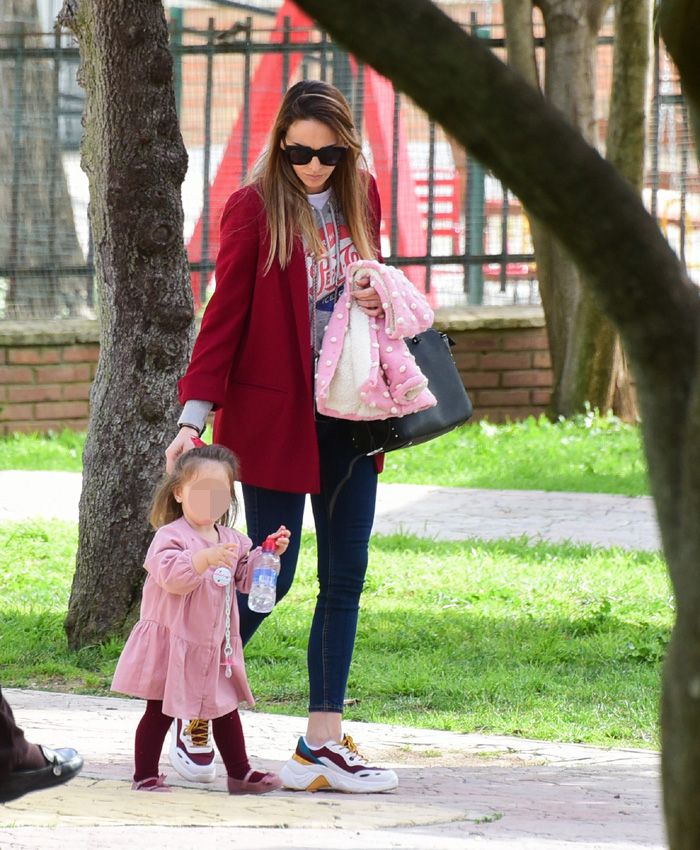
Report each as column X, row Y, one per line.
column 450, row 224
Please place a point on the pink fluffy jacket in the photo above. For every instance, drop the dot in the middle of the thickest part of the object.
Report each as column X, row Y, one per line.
column 365, row 370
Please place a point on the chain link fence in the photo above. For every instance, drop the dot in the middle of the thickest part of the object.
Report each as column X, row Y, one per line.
column 448, row 222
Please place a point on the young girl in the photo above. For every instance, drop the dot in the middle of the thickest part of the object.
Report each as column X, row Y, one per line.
column 184, row 656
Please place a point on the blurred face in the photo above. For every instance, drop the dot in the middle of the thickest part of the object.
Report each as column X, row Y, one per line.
column 312, row 134
column 206, row 495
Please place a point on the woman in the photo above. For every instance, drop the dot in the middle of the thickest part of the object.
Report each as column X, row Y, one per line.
column 309, row 210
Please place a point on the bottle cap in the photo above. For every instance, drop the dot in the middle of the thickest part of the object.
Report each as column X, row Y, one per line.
column 269, row 544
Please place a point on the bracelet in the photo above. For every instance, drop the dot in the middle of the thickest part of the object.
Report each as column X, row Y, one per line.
column 199, row 431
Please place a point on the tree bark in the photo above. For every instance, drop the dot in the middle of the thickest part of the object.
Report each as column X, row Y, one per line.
column 520, row 41
column 133, row 154
column 587, row 360
column 638, row 280
column 557, row 276
column 679, row 24
column 37, row 230
column 607, row 379
column 626, row 135
column 573, row 319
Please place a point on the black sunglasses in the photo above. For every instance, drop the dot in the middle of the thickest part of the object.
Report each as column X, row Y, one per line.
column 301, row 155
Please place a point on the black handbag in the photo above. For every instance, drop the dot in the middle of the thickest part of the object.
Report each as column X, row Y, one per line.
column 434, row 358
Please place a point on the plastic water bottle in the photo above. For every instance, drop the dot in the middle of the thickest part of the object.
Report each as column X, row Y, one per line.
column 264, row 585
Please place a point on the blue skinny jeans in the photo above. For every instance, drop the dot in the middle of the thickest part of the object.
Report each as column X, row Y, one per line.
column 343, row 514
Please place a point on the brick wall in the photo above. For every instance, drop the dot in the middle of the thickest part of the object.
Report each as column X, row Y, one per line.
column 46, row 368
column 503, row 356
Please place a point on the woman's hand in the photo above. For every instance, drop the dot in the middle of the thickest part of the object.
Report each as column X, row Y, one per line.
column 367, row 298
column 181, row 444
column 281, row 540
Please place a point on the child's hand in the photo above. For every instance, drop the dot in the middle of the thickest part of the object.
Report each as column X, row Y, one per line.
column 223, row 555
column 281, row 540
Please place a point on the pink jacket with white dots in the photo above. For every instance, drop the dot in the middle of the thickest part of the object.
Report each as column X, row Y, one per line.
column 365, row 370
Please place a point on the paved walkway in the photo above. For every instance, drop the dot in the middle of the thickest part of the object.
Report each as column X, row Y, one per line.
column 446, row 513
column 457, row 792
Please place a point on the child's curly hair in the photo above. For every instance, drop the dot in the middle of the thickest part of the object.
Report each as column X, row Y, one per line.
column 165, row 508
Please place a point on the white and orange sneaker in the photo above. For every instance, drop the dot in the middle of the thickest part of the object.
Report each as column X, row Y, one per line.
column 335, row 767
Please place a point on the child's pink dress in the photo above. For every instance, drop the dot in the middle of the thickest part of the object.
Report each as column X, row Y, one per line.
column 175, row 652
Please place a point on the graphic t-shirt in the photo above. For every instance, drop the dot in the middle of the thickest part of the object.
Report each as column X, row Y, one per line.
column 326, row 276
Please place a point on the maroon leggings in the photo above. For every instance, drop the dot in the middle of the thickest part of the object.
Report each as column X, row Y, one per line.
column 154, row 725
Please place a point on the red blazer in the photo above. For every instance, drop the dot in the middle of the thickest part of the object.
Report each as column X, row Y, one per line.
column 253, row 356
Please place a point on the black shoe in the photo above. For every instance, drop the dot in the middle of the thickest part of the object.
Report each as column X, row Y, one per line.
column 62, row 765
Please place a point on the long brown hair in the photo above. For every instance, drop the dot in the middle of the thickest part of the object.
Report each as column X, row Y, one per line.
column 165, row 508
column 286, row 205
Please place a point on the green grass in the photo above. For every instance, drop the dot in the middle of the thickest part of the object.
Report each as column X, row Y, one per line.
column 558, row 642
column 548, row 641
column 588, row 454
column 52, row 451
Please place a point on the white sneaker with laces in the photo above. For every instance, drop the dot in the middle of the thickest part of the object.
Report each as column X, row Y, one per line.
column 191, row 752
column 335, row 767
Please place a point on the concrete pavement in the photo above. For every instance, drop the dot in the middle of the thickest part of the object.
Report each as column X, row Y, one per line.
column 445, row 513
column 457, row 792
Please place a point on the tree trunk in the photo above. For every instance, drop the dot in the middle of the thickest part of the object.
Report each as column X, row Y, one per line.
column 679, row 23
column 608, row 378
column 37, row 230
column 587, row 359
column 638, row 281
column 520, row 41
column 558, row 277
column 135, row 160
column 571, row 32
column 626, row 137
